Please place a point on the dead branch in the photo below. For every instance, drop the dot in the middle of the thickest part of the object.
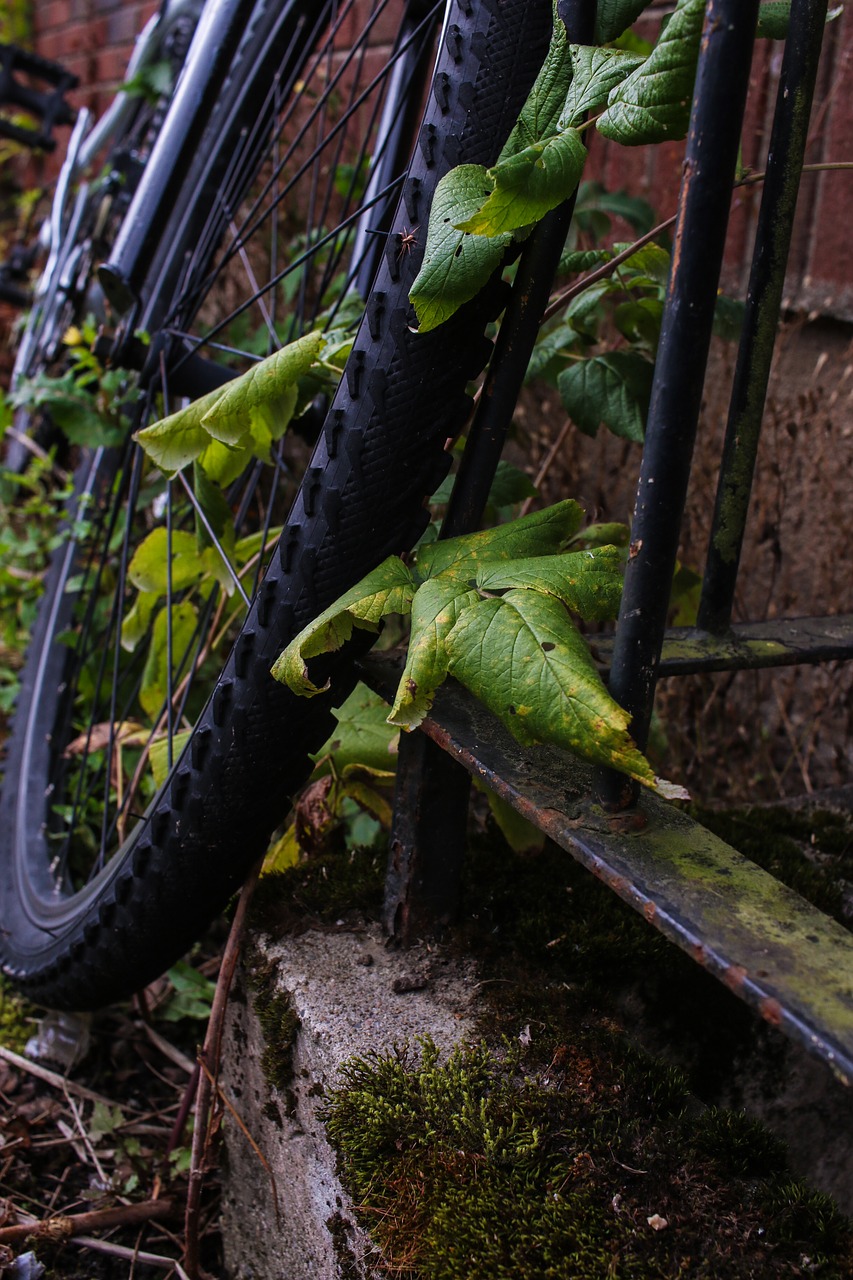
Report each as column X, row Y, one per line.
column 63, row 1227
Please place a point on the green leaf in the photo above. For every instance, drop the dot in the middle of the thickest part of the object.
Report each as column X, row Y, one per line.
column 653, row 104
column 544, row 105
column 728, row 317
column 520, row 835
column 509, row 486
column 603, row 535
column 652, row 261
column 580, row 260
column 538, row 534
column 528, row 185
column 135, row 624
column 388, row 589
column 435, row 609
column 774, row 18
column 193, row 994
column 593, row 198
column 217, row 512
column 258, row 406
column 615, row 16
column 456, row 264
column 72, row 405
column 522, row 657
column 587, row 582
column 223, row 464
column 149, row 570
column 158, row 754
column 549, row 345
column 155, row 677
column 596, row 73
column 640, row 320
column 180, row 438
column 363, row 735
column 613, row 388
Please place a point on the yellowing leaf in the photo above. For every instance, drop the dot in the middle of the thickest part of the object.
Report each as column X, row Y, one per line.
column 158, row 754
column 257, row 407
column 537, row 534
column 363, row 735
column 149, row 568
column 435, row 609
column 155, row 677
column 246, row 415
column 179, row 439
column 522, row 657
column 388, row 589
column 587, row 582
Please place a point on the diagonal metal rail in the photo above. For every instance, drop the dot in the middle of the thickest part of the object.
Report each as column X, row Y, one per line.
column 778, row 953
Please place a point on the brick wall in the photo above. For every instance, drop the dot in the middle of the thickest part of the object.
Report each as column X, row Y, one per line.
column 94, row 38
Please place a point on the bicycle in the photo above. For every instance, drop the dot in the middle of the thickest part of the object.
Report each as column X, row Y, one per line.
column 108, row 873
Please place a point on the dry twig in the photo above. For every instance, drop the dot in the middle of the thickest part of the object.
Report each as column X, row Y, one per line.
column 209, row 1058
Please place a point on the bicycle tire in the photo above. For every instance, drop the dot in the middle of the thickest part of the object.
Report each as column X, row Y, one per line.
column 381, row 452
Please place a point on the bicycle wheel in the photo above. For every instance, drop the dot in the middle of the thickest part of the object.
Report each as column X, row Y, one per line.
column 85, row 223
column 107, row 876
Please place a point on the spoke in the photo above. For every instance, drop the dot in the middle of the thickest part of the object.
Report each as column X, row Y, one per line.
column 200, row 512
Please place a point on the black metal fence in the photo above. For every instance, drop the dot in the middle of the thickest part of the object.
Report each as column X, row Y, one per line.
column 785, row 958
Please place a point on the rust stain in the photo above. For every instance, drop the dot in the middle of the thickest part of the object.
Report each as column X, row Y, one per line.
column 650, row 911
column 771, row 1011
column 734, row 978
column 633, row 820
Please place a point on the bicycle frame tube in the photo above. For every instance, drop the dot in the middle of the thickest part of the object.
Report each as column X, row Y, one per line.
column 214, row 44
column 148, row 45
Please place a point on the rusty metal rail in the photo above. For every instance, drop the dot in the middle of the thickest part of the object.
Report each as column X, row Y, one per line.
column 774, row 950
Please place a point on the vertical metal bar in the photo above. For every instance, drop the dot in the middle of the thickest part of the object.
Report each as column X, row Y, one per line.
column 763, row 303
column 709, row 167
column 431, row 800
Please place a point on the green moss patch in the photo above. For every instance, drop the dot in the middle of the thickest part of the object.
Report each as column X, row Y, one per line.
column 812, row 853
column 493, row 1165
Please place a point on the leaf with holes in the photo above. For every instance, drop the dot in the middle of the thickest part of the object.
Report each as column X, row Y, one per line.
column 653, row 104
column 523, row 658
column 456, row 264
column 587, row 582
column 613, row 388
column 529, row 184
column 389, row 589
column 596, row 72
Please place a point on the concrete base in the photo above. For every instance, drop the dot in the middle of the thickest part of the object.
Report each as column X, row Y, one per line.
column 352, row 996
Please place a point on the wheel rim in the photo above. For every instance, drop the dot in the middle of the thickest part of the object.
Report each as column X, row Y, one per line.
column 128, row 699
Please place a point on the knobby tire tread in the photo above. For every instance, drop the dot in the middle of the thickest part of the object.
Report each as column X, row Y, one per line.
column 381, row 453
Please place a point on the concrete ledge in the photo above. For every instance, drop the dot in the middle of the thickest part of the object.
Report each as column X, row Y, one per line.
column 351, row 996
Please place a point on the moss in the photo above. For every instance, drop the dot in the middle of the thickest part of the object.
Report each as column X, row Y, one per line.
column 340, row 884
column 493, row 1164
column 16, row 1019
column 280, row 1025
column 777, row 840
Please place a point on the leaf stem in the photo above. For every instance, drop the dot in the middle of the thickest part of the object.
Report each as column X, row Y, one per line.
column 608, row 268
